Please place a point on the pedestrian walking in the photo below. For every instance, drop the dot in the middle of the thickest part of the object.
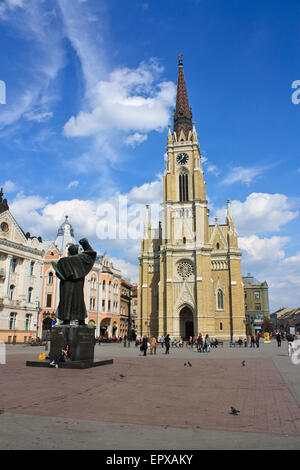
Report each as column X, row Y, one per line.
column 278, row 339
column 162, row 340
column 200, row 343
column 206, row 346
column 167, row 344
column 252, row 343
column 144, row 345
column 153, row 345
column 257, row 340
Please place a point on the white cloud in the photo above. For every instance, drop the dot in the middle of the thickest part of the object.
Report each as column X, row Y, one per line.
column 135, row 139
column 9, row 186
column 243, row 175
column 33, row 24
column 261, row 212
column 129, row 270
column 73, row 184
column 38, row 116
column 293, row 260
column 130, row 100
column 263, row 250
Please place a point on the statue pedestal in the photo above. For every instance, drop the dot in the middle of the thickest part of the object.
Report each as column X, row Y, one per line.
column 80, row 338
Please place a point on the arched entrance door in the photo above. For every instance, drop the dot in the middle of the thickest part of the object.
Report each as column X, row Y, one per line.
column 186, row 323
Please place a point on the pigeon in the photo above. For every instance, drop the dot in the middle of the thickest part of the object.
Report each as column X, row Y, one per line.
column 122, row 376
column 190, row 365
column 243, row 363
column 234, row 411
column 185, row 363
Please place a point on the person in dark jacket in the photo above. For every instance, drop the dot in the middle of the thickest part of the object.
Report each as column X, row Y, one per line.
column 144, row 345
column 278, row 339
column 167, row 343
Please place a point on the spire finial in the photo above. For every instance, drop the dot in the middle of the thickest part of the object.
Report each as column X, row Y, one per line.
column 180, row 59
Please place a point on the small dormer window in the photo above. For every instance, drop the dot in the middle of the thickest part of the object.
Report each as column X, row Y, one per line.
column 218, row 246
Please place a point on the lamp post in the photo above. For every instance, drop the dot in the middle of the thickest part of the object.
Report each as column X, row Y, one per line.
column 38, row 311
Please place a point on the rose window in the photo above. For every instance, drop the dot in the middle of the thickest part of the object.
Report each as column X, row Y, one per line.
column 185, row 269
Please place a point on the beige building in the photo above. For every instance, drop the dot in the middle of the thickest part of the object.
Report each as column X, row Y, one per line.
column 190, row 279
column 20, row 281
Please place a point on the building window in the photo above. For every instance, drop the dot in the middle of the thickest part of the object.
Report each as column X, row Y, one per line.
column 257, row 294
column 50, row 278
column 29, row 296
column 31, row 268
column 49, row 300
column 28, row 318
column 183, row 187
column 92, row 303
column 12, row 321
column 218, row 246
column 11, row 292
column 220, row 300
column 103, row 285
column 257, row 307
column 221, row 326
column 13, row 265
column 103, row 305
column 109, row 305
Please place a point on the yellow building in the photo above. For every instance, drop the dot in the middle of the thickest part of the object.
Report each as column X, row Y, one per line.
column 190, row 279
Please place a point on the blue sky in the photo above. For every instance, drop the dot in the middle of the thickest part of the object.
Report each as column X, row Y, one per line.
column 90, row 90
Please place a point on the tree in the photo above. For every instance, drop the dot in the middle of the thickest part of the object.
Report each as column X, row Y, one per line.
column 267, row 325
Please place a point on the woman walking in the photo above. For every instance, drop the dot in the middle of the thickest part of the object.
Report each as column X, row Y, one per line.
column 144, row 346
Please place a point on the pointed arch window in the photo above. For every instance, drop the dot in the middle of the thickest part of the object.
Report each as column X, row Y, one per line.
column 183, row 187
column 50, row 278
column 220, row 299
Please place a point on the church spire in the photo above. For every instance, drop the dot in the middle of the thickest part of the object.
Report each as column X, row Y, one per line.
column 183, row 113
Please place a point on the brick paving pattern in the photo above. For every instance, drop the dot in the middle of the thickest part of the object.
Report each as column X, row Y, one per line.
column 157, row 392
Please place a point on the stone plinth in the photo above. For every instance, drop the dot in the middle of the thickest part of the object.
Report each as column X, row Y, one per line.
column 81, row 339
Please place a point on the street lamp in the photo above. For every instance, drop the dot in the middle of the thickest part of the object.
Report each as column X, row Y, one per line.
column 38, row 311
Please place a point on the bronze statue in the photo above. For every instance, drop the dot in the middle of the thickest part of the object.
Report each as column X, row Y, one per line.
column 71, row 271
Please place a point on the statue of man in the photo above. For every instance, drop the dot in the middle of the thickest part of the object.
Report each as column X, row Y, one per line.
column 71, row 271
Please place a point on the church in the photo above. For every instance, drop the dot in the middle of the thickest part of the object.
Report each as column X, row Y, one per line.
column 190, row 279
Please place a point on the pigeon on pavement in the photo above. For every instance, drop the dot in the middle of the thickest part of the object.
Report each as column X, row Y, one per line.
column 234, row 411
column 190, row 365
column 243, row 363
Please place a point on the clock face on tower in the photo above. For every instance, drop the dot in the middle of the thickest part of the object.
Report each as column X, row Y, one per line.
column 182, row 158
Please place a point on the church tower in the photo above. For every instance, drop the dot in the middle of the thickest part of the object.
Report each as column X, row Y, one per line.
column 190, row 278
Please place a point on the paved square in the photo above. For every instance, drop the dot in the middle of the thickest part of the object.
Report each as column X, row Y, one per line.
column 158, row 391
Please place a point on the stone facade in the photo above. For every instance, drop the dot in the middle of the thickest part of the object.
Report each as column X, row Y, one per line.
column 190, row 279
column 256, row 303
column 20, row 282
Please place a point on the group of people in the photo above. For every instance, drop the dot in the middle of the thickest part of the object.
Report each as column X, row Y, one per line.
column 152, row 344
